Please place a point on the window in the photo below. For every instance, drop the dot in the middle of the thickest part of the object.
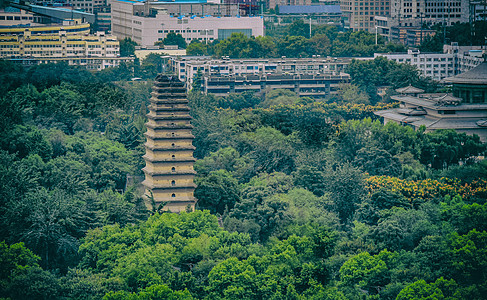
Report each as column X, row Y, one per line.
column 173, row 169
column 173, row 195
column 173, row 183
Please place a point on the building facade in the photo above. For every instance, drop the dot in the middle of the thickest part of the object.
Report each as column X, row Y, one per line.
column 69, row 43
column 360, row 14
column 169, row 173
column 186, row 68
column 438, row 66
column 315, row 86
column 465, row 110
column 147, row 23
column 15, row 17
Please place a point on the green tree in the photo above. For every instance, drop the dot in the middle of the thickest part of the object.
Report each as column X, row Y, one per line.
column 127, row 47
column 217, row 191
column 175, row 39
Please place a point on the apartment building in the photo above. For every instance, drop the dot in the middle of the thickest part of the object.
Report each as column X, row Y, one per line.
column 70, row 43
column 316, row 86
column 149, row 22
column 187, row 67
column 15, row 17
column 360, row 14
column 409, row 19
column 454, row 60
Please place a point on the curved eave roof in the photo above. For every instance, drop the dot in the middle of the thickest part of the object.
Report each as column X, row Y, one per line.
column 477, row 75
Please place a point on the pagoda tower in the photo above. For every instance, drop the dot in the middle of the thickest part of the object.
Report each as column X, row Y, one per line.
column 169, row 157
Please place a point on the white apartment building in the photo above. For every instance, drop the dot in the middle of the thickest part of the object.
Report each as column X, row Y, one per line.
column 147, row 23
column 187, row 67
column 453, row 61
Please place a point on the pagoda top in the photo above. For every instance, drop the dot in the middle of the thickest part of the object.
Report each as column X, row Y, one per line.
column 410, row 90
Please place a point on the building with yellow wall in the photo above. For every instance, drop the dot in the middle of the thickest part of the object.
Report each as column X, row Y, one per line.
column 70, row 42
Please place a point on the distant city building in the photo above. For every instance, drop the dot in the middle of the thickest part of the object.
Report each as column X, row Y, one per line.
column 408, row 20
column 359, row 14
column 275, row 3
column 187, row 67
column 465, row 110
column 318, row 14
column 15, row 17
column 316, row 86
column 454, row 60
column 69, row 42
column 149, row 22
column 478, row 10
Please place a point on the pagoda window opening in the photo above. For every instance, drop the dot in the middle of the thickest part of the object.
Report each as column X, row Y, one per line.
column 173, row 195
column 173, row 169
column 173, row 183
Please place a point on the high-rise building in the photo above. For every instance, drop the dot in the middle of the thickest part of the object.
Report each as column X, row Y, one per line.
column 360, row 14
column 169, row 157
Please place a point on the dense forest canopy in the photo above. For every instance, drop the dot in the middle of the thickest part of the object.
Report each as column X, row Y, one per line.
column 298, row 198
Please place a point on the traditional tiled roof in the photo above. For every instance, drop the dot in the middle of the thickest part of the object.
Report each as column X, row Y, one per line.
column 477, row 75
column 409, row 90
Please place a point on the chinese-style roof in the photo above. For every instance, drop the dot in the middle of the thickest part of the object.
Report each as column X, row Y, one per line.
column 409, row 90
column 477, row 75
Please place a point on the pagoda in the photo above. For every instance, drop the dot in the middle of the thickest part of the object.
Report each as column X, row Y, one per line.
column 169, row 157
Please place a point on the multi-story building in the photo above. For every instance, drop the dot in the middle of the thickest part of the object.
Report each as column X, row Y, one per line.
column 465, row 110
column 440, row 65
column 478, row 10
column 359, row 14
column 187, row 67
column 316, row 86
column 15, row 17
column 408, row 18
column 274, row 3
column 68, row 42
column 149, row 22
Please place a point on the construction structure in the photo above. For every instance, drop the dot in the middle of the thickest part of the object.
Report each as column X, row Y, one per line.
column 169, row 173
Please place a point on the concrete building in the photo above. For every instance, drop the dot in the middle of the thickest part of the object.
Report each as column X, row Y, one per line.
column 360, row 14
column 316, row 86
column 187, row 67
column 454, row 60
column 15, row 17
column 465, row 110
column 169, row 173
column 408, row 18
column 146, row 23
column 69, row 42
column 275, row 3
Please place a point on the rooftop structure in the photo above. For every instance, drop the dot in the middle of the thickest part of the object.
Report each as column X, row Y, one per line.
column 169, row 157
column 465, row 110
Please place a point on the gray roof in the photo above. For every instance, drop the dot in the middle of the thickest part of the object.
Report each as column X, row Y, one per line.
column 310, row 9
column 477, row 75
column 409, row 90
